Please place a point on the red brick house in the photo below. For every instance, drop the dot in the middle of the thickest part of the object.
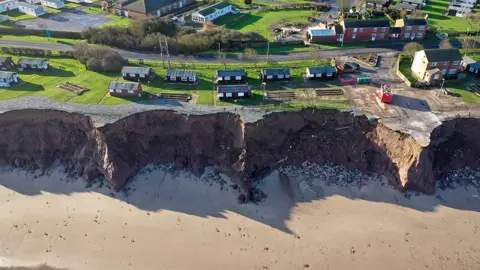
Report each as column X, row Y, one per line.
column 427, row 63
column 140, row 9
column 365, row 30
column 412, row 28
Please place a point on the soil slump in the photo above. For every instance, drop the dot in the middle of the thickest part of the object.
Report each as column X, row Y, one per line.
column 244, row 151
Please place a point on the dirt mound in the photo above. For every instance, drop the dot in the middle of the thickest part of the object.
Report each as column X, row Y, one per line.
column 243, row 151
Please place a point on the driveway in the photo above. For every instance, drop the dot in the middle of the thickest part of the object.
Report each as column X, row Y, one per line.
column 74, row 20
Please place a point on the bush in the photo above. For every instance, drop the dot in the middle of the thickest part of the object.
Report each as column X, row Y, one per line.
column 113, row 62
column 247, row 2
column 94, row 64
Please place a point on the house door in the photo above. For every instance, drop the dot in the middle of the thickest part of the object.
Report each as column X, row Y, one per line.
column 125, row 14
column 181, row 4
column 373, row 36
column 159, row 13
column 413, row 36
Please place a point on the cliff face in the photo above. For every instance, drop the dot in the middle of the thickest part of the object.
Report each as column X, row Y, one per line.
column 243, row 151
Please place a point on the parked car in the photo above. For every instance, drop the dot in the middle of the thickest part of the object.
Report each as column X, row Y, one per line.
column 235, row 11
column 441, row 36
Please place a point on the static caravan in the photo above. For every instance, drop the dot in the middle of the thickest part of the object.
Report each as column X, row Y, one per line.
column 56, row 4
column 31, row 9
column 233, row 91
column 231, row 76
column 32, row 63
column 138, row 73
column 8, row 78
column 280, row 74
column 33, row 1
column 125, row 89
column 8, row 5
column 325, row 72
column 6, row 63
column 181, row 76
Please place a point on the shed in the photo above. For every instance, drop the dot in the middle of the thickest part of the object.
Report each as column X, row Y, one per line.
column 181, row 76
column 323, row 72
column 433, row 76
column 33, row 63
column 231, row 76
column 125, row 89
column 233, row 91
column 8, row 78
column 6, row 63
column 279, row 74
column 138, row 73
column 466, row 61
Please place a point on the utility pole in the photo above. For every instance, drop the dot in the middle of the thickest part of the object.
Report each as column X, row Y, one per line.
column 218, row 47
column 168, row 54
column 268, row 50
column 161, row 51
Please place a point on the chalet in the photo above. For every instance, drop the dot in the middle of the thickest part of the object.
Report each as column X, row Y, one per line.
column 404, row 6
column 212, row 12
column 125, row 89
column 8, row 5
column 446, row 60
column 138, row 73
column 233, row 91
column 412, row 28
column 324, row 35
column 458, row 10
column 141, row 9
column 31, row 9
column 8, row 78
column 231, row 76
column 181, row 76
column 365, row 30
column 325, row 72
column 280, row 74
column 56, row 4
column 32, row 63
column 6, row 63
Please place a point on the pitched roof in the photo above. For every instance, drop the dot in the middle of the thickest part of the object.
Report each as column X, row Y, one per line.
column 381, row 2
column 443, row 55
column 123, row 85
column 321, row 32
column 413, row 1
column 276, row 71
column 404, row 6
column 366, row 23
column 28, row 5
column 136, row 70
column 415, row 22
column 147, row 6
column 53, row 1
column 324, row 69
column 181, row 73
column 223, row 73
column 433, row 71
column 475, row 65
column 468, row 60
column 6, row 74
column 31, row 61
column 211, row 9
column 233, row 88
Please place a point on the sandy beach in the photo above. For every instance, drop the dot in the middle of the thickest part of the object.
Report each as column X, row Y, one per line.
column 178, row 221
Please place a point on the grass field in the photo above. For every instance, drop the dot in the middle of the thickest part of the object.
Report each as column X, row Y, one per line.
column 118, row 20
column 41, row 39
column 404, row 67
column 442, row 22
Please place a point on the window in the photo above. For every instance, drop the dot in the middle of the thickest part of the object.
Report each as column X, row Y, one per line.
column 119, row 91
column 452, row 71
column 354, row 36
column 329, row 74
column 409, row 28
column 382, row 35
column 375, row 29
column 142, row 75
column 131, row 75
column 354, row 30
column 280, row 76
column 287, row 76
column 130, row 91
column 407, row 35
column 228, row 94
column 238, row 78
column 436, row 76
column 419, row 35
column 227, row 78
column 112, row 90
column 455, row 63
column 311, row 75
column 269, row 77
column 444, row 71
column 220, row 95
column 470, row 69
column 173, row 78
column 445, row 63
column 384, row 29
column 184, row 79
column 361, row 29
column 421, row 28
column 220, row 79
column 433, row 64
column 241, row 94
column 192, row 79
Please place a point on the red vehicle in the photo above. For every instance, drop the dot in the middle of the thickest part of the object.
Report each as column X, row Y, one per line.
column 386, row 95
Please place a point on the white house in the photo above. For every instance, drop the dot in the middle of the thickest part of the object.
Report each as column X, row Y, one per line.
column 56, row 4
column 30, row 9
column 212, row 12
column 8, row 5
column 8, row 78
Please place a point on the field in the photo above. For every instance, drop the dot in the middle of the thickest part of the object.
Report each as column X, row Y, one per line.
column 119, row 21
column 442, row 22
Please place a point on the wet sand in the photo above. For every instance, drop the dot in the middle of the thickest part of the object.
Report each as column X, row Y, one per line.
column 180, row 222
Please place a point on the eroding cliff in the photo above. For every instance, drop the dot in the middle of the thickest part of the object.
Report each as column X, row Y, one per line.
column 244, row 151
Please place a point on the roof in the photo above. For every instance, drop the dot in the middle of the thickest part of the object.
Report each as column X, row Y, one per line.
column 404, row 6
column 443, row 55
column 5, row 58
column 395, row 30
column 366, row 23
column 414, row 1
column 381, row 2
column 468, row 60
column 181, row 73
column 7, row 1
column 147, row 6
column 276, row 71
column 233, row 89
column 324, row 69
column 223, row 73
column 211, row 9
column 123, row 85
column 319, row 32
column 31, row 61
column 6, row 74
column 28, row 5
column 338, row 28
column 136, row 70
column 52, row 1
column 475, row 65
column 415, row 22
column 433, row 71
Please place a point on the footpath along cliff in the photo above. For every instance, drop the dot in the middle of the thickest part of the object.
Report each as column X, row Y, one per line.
column 244, row 151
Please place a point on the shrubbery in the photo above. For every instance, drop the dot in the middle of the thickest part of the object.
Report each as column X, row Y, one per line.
column 98, row 58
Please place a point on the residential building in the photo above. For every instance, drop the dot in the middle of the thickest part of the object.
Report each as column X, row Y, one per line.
column 6, row 63
column 231, row 76
column 412, row 28
column 181, row 76
column 470, row 65
column 30, row 9
column 365, row 30
column 8, row 78
column 377, row 3
column 447, row 61
column 418, row 3
column 32, row 63
column 8, row 5
column 125, row 89
column 458, row 10
column 324, row 72
column 138, row 73
column 404, row 6
column 212, row 12
column 56, row 4
column 233, row 91
column 33, row 1
column 324, row 35
column 140, row 9
column 278, row 74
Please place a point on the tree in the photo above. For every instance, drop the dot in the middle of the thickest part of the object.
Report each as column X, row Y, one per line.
column 411, row 48
column 445, row 44
column 113, row 62
column 222, row 58
column 247, row 2
column 467, row 45
column 314, row 52
column 193, row 61
column 251, row 55
column 94, row 64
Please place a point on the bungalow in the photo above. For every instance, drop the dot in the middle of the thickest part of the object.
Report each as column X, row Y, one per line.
column 138, row 73
column 6, row 63
column 181, row 76
column 325, row 72
column 212, row 12
column 141, row 9
column 32, row 63
column 445, row 60
column 125, row 89
column 8, row 78
column 412, row 28
column 324, row 35
column 56, row 4
column 31, row 9
column 280, row 74
column 8, row 5
column 231, row 76
column 365, row 30
column 404, row 6
column 233, row 91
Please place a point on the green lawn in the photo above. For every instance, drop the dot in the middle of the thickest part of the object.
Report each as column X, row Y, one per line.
column 442, row 22
column 118, row 20
column 15, row 16
column 460, row 89
column 41, row 39
column 405, row 66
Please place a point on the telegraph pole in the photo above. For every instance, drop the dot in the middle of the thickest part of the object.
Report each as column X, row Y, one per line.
column 268, row 50
column 161, row 51
column 168, row 54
